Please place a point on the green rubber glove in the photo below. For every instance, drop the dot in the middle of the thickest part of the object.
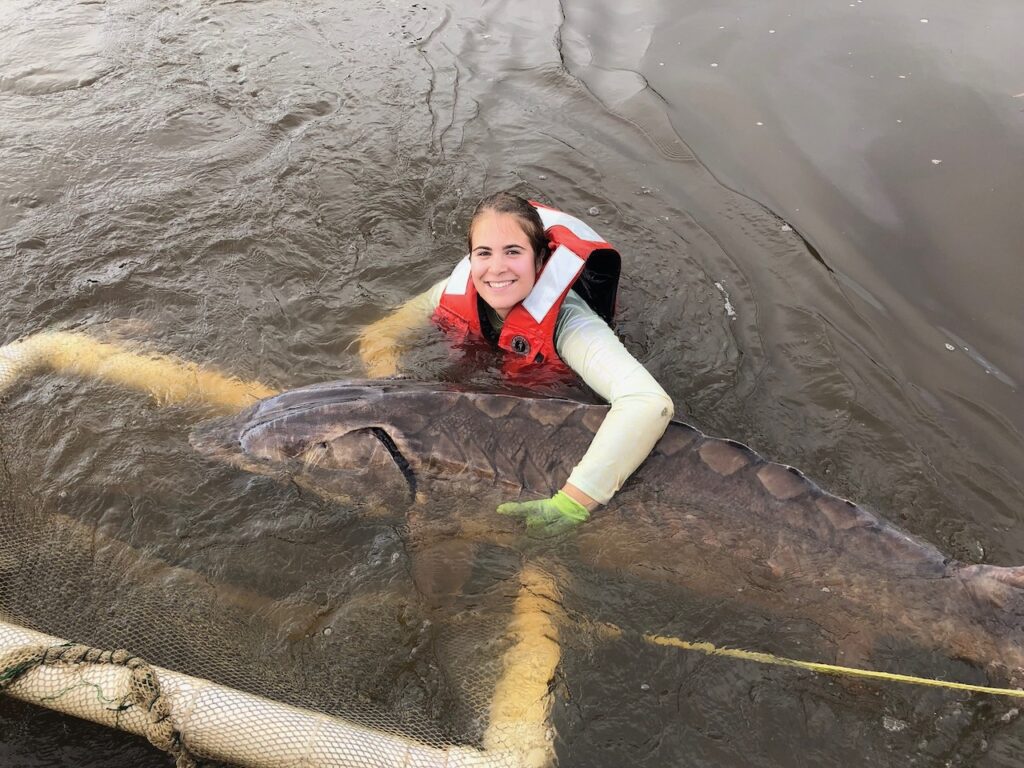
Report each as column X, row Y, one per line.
column 547, row 517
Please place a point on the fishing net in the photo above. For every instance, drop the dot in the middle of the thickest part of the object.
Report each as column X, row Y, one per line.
column 238, row 619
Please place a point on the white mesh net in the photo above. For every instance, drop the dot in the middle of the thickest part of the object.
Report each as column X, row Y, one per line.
column 259, row 625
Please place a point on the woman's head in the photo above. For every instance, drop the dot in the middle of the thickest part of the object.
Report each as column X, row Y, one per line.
column 527, row 216
column 507, row 247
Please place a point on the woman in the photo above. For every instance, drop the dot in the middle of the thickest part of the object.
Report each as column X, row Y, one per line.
column 520, row 288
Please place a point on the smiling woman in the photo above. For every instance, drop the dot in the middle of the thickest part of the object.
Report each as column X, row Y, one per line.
column 506, row 253
column 539, row 286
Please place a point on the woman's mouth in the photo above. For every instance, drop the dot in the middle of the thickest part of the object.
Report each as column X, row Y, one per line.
column 499, row 284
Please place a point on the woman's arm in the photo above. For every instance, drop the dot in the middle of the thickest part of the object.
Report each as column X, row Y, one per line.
column 640, row 408
column 381, row 342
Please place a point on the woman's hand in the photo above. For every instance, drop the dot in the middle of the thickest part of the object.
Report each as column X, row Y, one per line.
column 548, row 517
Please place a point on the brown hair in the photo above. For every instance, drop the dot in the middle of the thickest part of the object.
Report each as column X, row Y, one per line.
column 529, row 220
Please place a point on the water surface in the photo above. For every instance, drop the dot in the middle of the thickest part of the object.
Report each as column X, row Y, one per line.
column 820, row 214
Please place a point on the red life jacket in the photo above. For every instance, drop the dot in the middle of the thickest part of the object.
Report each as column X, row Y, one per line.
column 579, row 259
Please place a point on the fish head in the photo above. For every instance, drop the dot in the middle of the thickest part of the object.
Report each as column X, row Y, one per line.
column 327, row 438
column 360, row 466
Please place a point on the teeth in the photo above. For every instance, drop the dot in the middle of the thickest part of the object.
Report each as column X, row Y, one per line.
column 502, row 284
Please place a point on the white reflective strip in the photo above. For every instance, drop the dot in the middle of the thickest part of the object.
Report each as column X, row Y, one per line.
column 574, row 225
column 459, row 279
column 558, row 274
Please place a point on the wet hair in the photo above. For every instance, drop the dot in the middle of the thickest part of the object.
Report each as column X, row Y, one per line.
column 529, row 220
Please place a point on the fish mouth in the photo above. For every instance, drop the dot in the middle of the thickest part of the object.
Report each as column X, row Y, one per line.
column 352, row 454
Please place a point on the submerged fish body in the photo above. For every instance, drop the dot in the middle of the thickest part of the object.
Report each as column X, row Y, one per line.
column 707, row 514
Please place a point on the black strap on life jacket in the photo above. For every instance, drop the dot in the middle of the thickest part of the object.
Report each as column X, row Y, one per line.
column 598, row 285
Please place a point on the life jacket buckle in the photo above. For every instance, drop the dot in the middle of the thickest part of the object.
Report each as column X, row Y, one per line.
column 520, row 345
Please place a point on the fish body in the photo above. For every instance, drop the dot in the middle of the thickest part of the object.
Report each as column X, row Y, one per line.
column 707, row 514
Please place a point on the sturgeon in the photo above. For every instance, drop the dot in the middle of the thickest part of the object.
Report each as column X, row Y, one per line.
column 707, row 514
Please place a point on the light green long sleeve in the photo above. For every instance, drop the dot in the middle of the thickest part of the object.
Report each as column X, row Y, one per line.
column 640, row 408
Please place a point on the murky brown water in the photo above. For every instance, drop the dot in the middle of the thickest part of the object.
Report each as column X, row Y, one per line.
column 819, row 208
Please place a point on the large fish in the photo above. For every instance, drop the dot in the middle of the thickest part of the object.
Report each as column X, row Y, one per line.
column 704, row 513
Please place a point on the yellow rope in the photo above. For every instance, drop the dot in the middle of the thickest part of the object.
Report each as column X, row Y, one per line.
column 827, row 669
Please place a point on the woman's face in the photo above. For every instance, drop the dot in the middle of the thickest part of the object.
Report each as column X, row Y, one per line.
column 502, row 262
